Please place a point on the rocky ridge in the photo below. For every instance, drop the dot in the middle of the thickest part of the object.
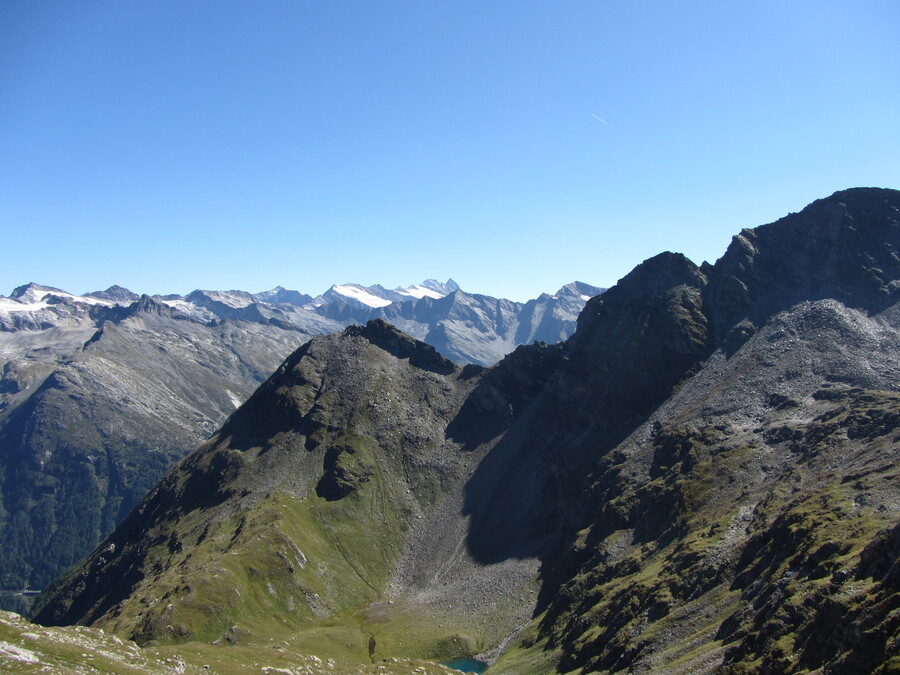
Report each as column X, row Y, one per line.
column 702, row 479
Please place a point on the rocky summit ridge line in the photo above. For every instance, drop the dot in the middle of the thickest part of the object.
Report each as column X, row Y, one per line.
column 702, row 479
column 101, row 393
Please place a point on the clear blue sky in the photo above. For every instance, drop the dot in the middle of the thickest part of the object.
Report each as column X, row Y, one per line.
column 169, row 145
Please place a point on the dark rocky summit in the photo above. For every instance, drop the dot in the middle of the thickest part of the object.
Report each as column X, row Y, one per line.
column 116, row 293
column 704, row 478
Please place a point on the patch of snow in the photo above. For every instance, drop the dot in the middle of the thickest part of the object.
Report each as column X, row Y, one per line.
column 235, row 401
column 17, row 653
column 35, row 300
column 234, row 300
column 420, row 291
column 361, row 295
column 182, row 305
column 42, row 296
column 189, row 308
column 9, row 305
column 92, row 301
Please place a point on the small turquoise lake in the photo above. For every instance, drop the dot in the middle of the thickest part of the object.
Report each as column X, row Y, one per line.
column 468, row 666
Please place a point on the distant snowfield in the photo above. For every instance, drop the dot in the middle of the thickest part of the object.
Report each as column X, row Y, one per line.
column 230, row 299
column 84, row 299
column 234, row 398
column 420, row 291
column 362, row 296
column 484, row 337
column 39, row 295
column 9, row 305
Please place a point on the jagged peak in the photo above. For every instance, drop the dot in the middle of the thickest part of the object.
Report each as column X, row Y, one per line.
column 845, row 247
column 114, row 293
column 145, row 304
column 657, row 274
column 579, row 288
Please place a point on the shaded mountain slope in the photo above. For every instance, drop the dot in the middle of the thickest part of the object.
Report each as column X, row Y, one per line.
column 702, row 479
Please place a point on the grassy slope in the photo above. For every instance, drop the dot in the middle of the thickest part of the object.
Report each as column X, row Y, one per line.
column 28, row 648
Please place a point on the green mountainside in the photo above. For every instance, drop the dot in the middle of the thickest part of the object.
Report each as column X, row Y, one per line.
column 702, row 479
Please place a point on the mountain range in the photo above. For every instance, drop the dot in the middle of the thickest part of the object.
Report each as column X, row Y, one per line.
column 101, row 393
column 703, row 478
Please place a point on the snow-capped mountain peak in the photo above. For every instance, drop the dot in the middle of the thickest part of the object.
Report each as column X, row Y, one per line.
column 580, row 290
column 378, row 296
column 35, row 294
column 472, row 329
column 361, row 294
column 430, row 288
column 233, row 299
column 282, row 295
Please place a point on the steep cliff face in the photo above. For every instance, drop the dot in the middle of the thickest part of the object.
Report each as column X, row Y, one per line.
column 843, row 248
column 702, row 479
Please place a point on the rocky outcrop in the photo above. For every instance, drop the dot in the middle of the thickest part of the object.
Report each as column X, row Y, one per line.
column 115, row 293
column 846, row 247
column 728, row 488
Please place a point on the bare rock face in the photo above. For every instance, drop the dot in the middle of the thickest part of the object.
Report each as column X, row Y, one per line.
column 704, row 478
column 641, row 338
column 844, row 247
column 116, row 293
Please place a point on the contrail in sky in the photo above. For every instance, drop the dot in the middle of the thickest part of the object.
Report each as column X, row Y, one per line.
column 604, row 121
